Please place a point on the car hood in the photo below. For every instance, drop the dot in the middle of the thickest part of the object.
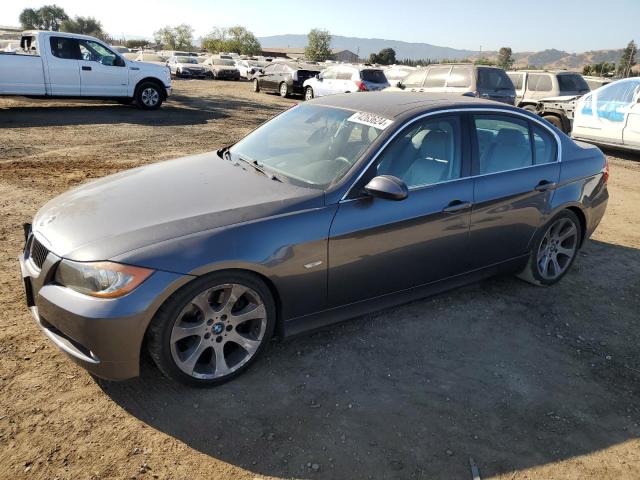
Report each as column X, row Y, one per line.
column 224, row 67
column 150, row 204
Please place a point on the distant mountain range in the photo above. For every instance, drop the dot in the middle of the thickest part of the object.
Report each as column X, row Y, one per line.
column 550, row 58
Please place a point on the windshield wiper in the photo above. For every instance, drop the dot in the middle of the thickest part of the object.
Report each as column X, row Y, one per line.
column 260, row 168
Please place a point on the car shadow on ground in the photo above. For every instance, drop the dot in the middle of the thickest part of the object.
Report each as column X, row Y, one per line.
column 512, row 375
column 178, row 110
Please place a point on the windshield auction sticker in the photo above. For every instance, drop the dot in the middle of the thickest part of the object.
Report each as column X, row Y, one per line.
column 375, row 121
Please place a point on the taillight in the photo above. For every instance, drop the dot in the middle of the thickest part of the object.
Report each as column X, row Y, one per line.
column 361, row 86
column 605, row 170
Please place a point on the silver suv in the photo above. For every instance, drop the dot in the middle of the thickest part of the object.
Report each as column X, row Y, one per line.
column 467, row 79
column 345, row 79
column 534, row 85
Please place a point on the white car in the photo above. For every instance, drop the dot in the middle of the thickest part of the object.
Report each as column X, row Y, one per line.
column 151, row 58
column 248, row 68
column 610, row 115
column 186, row 67
column 345, row 79
column 56, row 64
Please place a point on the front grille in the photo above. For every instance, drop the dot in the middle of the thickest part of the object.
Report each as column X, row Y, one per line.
column 38, row 252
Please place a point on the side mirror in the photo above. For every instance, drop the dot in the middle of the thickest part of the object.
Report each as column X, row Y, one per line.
column 400, row 85
column 387, row 187
column 319, row 77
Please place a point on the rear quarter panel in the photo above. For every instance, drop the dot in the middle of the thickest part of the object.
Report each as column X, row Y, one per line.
column 582, row 184
column 21, row 75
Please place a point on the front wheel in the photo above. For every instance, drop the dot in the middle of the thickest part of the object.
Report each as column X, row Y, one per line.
column 308, row 93
column 213, row 329
column 284, row 90
column 554, row 250
column 149, row 96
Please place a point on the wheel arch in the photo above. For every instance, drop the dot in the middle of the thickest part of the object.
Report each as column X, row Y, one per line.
column 163, row 90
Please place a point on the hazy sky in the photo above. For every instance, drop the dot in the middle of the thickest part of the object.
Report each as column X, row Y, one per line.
column 572, row 25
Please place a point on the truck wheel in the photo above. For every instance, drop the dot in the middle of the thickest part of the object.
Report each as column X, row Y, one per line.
column 284, row 90
column 555, row 121
column 149, row 96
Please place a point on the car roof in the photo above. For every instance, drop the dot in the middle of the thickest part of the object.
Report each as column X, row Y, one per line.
column 395, row 104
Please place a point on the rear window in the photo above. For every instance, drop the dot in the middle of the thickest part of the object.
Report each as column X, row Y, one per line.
column 572, row 83
column 516, row 79
column 539, row 82
column 493, row 79
column 460, row 77
column 436, row 77
column 373, row 76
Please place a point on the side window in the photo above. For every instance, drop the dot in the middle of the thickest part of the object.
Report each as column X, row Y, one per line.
column 539, row 82
column 414, row 79
column 65, row 48
column 329, row 74
column 460, row 77
column 436, row 77
column 344, row 74
column 425, row 153
column 94, row 52
column 503, row 143
column 516, row 78
column 544, row 144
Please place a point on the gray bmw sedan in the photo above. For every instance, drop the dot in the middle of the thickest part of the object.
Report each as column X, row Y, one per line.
column 334, row 208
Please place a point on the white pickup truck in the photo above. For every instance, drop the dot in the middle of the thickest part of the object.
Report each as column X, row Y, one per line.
column 66, row 65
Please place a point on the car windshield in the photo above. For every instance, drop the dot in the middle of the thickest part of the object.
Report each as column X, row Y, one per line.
column 572, row 83
column 186, row 60
column 218, row 61
column 310, row 145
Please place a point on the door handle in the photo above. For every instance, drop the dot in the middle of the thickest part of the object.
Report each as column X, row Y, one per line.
column 457, row 206
column 85, row 68
column 545, row 185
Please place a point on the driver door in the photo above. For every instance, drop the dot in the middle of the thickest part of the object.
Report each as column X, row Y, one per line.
column 102, row 72
column 379, row 246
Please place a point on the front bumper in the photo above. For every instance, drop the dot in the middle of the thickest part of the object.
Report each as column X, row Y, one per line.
column 104, row 336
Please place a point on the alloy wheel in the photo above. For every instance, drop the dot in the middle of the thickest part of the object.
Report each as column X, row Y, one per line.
column 557, row 248
column 284, row 90
column 218, row 331
column 308, row 94
column 150, row 97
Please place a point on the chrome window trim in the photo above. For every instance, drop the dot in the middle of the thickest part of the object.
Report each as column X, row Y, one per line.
column 539, row 121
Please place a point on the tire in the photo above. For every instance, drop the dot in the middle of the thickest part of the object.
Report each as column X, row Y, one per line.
column 149, row 96
column 203, row 308
column 555, row 121
column 256, row 85
column 308, row 93
column 283, row 89
column 541, row 269
column 530, row 108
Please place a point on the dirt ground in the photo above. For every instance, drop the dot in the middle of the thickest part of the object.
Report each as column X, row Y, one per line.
column 528, row 382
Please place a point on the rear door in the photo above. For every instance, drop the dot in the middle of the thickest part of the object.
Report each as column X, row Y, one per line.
column 539, row 85
column 63, row 64
column 516, row 169
column 379, row 246
column 102, row 72
column 460, row 80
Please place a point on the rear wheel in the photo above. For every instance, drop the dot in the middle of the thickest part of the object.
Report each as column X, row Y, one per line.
column 529, row 108
column 213, row 329
column 555, row 249
column 555, row 121
column 308, row 93
column 149, row 96
column 256, row 85
column 284, row 90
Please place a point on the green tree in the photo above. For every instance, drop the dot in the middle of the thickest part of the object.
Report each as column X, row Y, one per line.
column 48, row 17
column 175, row 38
column 235, row 39
column 136, row 43
column 628, row 59
column 84, row 26
column 386, row 56
column 505, row 58
column 318, row 48
column 586, row 70
column 484, row 61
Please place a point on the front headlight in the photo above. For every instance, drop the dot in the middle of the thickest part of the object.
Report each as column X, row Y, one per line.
column 100, row 279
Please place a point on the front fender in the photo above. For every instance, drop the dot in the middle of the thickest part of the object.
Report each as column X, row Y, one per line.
column 290, row 250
